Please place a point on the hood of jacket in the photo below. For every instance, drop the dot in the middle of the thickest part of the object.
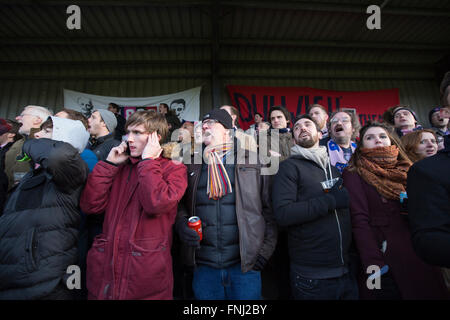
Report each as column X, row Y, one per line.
column 70, row 131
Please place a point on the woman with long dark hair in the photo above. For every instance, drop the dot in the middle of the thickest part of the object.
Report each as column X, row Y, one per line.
column 375, row 178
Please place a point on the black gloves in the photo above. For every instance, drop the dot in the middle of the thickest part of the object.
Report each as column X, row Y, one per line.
column 260, row 263
column 60, row 159
column 39, row 150
column 340, row 195
column 186, row 234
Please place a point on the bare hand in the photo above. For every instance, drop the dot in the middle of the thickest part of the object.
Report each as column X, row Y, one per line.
column 118, row 155
column 153, row 149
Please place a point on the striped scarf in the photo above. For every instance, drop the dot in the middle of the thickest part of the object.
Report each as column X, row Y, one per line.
column 381, row 168
column 218, row 181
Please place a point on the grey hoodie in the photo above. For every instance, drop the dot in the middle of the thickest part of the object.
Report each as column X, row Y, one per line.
column 70, row 131
column 319, row 155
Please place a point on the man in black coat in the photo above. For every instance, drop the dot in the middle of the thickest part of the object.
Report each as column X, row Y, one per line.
column 239, row 231
column 39, row 226
column 428, row 190
column 120, row 128
column 318, row 222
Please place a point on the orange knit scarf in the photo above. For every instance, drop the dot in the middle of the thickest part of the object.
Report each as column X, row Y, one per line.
column 380, row 168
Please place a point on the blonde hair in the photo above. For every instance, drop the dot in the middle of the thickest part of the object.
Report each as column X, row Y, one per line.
column 151, row 120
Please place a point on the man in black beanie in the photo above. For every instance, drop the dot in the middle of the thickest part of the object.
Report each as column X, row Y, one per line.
column 237, row 239
column 404, row 120
column 438, row 124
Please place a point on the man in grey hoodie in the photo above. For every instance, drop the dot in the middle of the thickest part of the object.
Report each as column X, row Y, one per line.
column 66, row 130
column 317, row 218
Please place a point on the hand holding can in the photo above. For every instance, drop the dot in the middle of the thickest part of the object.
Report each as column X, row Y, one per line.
column 196, row 224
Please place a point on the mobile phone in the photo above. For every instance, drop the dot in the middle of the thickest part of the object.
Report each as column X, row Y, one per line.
column 127, row 150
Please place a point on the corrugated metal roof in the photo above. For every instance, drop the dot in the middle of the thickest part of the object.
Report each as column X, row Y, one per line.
column 145, row 48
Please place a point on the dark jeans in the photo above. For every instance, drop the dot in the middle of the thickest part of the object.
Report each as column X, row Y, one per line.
column 275, row 275
column 342, row 288
column 226, row 284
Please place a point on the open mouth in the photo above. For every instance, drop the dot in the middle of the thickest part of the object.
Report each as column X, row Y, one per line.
column 304, row 135
column 338, row 128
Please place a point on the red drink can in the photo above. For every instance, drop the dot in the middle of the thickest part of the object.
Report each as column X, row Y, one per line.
column 196, row 224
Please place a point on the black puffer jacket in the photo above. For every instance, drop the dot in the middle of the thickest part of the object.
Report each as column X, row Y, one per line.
column 39, row 227
column 317, row 235
column 103, row 145
column 220, row 247
column 256, row 224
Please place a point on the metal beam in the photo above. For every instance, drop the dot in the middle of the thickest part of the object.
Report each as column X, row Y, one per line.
column 223, row 42
column 105, row 77
column 103, row 63
column 79, row 41
column 253, row 63
column 330, row 77
column 334, row 44
column 208, row 76
column 109, row 3
column 336, row 7
column 274, row 5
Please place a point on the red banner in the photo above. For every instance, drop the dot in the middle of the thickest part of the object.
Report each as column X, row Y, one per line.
column 369, row 105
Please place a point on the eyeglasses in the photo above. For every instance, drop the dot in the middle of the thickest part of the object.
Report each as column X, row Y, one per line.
column 209, row 122
column 334, row 120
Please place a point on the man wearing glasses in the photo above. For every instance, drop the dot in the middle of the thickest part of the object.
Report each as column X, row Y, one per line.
column 343, row 128
column 30, row 119
column 231, row 198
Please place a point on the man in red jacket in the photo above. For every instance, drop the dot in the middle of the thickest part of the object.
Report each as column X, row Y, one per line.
column 139, row 190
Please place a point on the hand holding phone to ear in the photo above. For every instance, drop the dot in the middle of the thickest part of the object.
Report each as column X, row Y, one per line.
column 118, row 155
column 153, row 149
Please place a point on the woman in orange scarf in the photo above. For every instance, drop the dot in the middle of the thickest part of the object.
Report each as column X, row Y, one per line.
column 375, row 178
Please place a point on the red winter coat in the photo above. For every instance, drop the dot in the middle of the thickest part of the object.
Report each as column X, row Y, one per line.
column 131, row 259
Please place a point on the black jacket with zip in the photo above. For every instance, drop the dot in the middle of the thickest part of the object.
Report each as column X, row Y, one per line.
column 39, row 227
column 319, row 236
column 103, row 145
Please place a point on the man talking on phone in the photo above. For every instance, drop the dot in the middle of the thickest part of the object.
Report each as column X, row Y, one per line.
column 139, row 192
